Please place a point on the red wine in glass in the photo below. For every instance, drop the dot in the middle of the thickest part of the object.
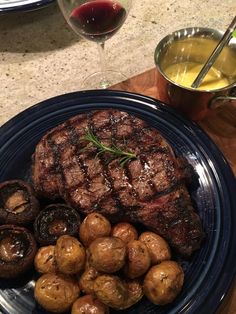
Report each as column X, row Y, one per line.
column 97, row 20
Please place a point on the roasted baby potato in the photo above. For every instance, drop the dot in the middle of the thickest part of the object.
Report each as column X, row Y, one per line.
column 94, row 226
column 138, row 259
column 69, row 254
column 44, row 260
column 163, row 282
column 158, row 248
column 135, row 293
column 111, row 291
column 107, row 254
column 89, row 305
column 56, row 293
column 125, row 231
column 86, row 281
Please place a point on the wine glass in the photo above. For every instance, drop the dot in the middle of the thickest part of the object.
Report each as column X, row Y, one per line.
column 97, row 20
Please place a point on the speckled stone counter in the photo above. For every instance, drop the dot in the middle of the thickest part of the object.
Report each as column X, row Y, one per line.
column 40, row 57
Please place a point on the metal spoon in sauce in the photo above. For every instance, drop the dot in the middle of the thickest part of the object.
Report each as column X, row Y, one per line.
column 224, row 40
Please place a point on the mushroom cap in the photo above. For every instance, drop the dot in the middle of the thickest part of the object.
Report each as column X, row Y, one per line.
column 17, row 250
column 18, row 203
column 54, row 221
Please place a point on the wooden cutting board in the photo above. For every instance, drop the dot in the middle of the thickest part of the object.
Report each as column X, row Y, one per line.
column 220, row 126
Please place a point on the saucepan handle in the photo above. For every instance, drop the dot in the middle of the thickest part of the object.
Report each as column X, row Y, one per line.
column 218, row 101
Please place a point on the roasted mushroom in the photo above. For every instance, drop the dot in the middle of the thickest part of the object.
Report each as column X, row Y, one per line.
column 163, row 282
column 125, row 231
column 70, row 255
column 17, row 250
column 94, row 226
column 56, row 293
column 56, row 220
column 18, row 204
column 158, row 248
column 138, row 259
column 110, row 290
column 89, row 305
column 44, row 261
column 107, row 254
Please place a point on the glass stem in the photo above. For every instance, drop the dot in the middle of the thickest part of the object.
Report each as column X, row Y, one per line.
column 101, row 48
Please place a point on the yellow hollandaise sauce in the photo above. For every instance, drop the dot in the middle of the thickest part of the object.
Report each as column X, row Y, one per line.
column 185, row 73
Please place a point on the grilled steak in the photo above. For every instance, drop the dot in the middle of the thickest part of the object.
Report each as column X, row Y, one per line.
column 150, row 189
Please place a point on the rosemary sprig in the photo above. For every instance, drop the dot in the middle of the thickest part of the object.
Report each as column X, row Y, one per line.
column 114, row 150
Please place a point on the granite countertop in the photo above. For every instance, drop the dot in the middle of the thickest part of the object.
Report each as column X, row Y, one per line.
column 40, row 57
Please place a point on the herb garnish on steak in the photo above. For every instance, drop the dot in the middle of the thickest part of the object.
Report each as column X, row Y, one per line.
column 114, row 151
column 149, row 189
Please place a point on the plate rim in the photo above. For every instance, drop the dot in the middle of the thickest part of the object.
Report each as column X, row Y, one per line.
column 25, row 7
column 148, row 101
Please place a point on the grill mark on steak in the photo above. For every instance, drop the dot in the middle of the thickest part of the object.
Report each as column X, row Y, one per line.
column 143, row 160
column 57, row 145
column 116, row 207
column 74, row 140
column 126, row 187
column 150, row 189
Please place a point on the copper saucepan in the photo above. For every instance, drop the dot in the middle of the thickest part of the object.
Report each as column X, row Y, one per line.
column 195, row 45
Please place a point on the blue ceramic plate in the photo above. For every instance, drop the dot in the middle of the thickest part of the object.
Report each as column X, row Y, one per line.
column 24, row 5
column 211, row 270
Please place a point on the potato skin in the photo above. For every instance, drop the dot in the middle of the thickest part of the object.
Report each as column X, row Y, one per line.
column 70, row 255
column 89, row 305
column 94, row 226
column 110, row 290
column 135, row 293
column 86, row 281
column 158, row 248
column 56, row 293
column 107, row 254
column 44, row 261
column 138, row 259
column 163, row 282
column 125, row 231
